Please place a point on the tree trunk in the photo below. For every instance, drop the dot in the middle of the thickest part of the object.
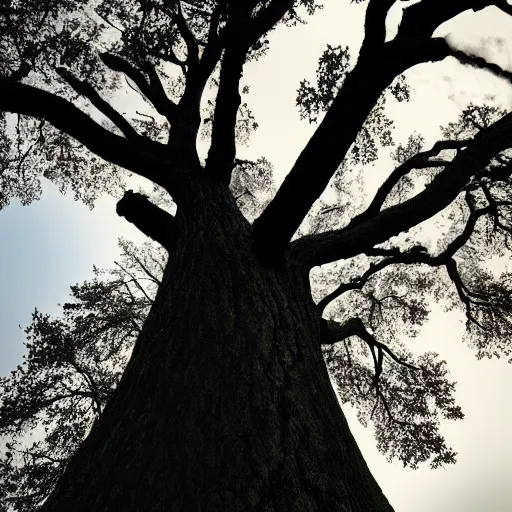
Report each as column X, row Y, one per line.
column 226, row 403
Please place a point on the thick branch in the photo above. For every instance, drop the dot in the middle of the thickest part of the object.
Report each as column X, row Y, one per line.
column 184, row 129
column 375, row 25
column 268, row 18
column 332, row 140
column 479, row 62
column 188, row 37
column 216, row 41
column 221, row 156
column 419, row 161
column 421, row 19
column 87, row 90
column 159, row 98
column 444, row 188
column 63, row 115
column 215, row 20
column 332, row 331
column 154, row 222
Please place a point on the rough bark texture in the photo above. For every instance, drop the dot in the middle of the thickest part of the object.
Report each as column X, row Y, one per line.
column 226, row 403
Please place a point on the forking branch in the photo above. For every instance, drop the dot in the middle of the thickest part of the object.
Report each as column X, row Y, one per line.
column 445, row 187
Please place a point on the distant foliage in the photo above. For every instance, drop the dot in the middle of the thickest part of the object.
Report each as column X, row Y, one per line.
column 71, row 368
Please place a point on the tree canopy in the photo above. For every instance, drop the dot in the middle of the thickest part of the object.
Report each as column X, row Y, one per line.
column 374, row 277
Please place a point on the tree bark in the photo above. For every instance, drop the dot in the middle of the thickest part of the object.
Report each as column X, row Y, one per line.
column 226, row 403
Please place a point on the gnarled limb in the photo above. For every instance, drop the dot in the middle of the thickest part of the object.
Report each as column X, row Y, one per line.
column 479, row 62
column 188, row 37
column 149, row 218
column 332, row 331
column 221, row 156
column 187, row 120
column 241, row 32
column 419, row 255
column 422, row 18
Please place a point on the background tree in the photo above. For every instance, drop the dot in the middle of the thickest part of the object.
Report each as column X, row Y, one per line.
column 72, row 366
column 206, row 373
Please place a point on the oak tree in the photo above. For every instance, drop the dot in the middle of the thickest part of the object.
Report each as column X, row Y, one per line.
column 226, row 401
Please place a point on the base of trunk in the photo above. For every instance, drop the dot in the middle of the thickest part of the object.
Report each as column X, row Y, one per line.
column 226, row 403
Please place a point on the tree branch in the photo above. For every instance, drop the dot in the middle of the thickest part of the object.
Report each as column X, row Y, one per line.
column 187, row 119
column 215, row 20
column 153, row 91
column 479, row 62
column 268, row 18
column 357, row 284
column 93, row 392
column 222, row 152
column 154, row 222
column 372, row 342
column 188, row 37
column 375, row 25
column 419, row 255
column 453, row 273
column 136, row 282
column 335, row 332
column 416, row 255
column 332, row 139
column 444, row 188
column 85, row 89
column 419, row 161
column 332, row 332
column 30, row 101
column 158, row 95
column 420, row 20
column 139, row 262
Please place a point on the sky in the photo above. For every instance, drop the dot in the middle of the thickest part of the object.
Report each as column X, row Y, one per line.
column 49, row 245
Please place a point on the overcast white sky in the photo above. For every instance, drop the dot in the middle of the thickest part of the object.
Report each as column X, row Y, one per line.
column 52, row 244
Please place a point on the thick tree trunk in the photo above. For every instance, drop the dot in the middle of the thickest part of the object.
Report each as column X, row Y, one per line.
column 226, row 404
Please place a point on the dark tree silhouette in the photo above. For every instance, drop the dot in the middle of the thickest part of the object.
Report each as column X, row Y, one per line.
column 226, row 402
